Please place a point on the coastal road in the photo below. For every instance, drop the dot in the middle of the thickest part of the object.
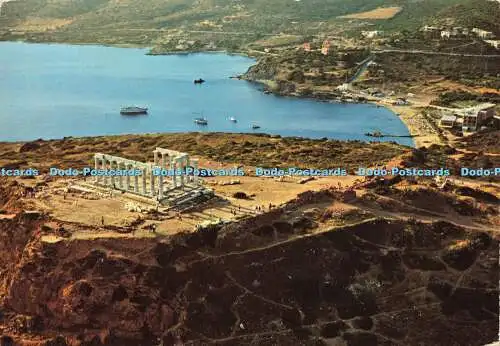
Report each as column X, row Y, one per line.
column 429, row 52
column 167, row 30
column 362, row 67
column 261, row 52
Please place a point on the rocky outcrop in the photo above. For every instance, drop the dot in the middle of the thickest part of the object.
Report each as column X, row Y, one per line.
column 276, row 278
column 380, row 280
column 265, row 69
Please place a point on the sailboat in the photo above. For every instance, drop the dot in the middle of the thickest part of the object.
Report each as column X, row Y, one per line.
column 201, row 120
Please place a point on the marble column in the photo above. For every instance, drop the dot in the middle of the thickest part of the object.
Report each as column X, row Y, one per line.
column 144, row 186
column 152, row 182
column 109, row 166
column 182, row 167
column 120, row 177
column 160, row 187
column 136, row 181
column 195, row 167
column 113, row 177
column 156, row 158
column 173, row 164
column 96, row 168
column 103, row 167
column 127, row 177
column 163, row 162
column 188, row 164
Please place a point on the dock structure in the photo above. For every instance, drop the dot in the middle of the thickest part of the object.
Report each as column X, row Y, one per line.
column 163, row 180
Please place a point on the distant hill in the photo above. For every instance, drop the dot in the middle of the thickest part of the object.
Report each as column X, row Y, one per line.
column 473, row 13
column 157, row 21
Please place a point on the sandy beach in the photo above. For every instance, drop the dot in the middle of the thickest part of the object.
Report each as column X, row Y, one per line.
column 417, row 125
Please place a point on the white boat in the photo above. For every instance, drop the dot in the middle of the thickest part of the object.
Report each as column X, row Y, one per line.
column 233, row 119
column 201, row 121
column 133, row 110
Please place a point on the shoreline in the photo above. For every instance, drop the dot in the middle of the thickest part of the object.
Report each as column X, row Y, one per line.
column 95, row 44
column 149, row 47
column 416, row 126
column 190, row 52
column 409, row 115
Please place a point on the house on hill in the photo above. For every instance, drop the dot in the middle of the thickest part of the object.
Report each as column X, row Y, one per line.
column 478, row 116
column 445, row 34
column 371, row 34
column 448, row 121
column 483, row 33
column 494, row 43
column 401, row 102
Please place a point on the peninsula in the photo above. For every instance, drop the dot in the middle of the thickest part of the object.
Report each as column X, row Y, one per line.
column 210, row 238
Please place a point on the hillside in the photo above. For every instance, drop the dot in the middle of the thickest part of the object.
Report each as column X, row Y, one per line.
column 331, row 266
column 216, row 23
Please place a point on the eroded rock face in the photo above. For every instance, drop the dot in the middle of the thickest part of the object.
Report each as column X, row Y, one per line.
column 16, row 236
column 377, row 283
column 29, row 146
column 266, row 69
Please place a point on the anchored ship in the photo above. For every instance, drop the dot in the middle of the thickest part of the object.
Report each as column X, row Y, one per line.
column 133, row 110
column 201, row 121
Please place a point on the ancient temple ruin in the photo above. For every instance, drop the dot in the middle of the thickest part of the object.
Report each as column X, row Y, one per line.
column 148, row 184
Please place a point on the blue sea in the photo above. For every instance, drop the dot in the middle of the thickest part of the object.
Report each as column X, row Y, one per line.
column 56, row 90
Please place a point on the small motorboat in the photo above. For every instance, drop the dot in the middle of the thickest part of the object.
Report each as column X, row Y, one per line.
column 255, row 126
column 199, row 81
column 133, row 110
column 233, row 119
column 374, row 134
column 201, row 121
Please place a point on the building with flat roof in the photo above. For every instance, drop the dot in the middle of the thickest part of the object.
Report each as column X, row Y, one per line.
column 431, row 32
column 448, row 121
column 371, row 34
column 483, row 33
column 494, row 43
column 475, row 117
column 496, row 122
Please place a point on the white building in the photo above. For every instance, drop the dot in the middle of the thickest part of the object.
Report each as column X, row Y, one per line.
column 343, row 87
column 445, row 34
column 493, row 43
column 371, row 34
column 428, row 28
column 483, row 33
column 448, row 121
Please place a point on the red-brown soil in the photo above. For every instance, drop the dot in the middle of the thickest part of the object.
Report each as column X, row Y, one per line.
column 390, row 263
column 268, row 280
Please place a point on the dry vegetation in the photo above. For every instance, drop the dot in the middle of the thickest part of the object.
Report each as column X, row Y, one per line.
column 334, row 265
column 274, row 151
column 378, row 13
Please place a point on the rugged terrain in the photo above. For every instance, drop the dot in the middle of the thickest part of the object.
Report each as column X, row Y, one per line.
column 384, row 262
column 224, row 24
column 276, row 151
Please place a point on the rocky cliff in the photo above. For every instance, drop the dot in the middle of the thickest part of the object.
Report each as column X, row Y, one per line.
column 272, row 279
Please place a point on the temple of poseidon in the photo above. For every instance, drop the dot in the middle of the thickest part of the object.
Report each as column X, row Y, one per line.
column 174, row 189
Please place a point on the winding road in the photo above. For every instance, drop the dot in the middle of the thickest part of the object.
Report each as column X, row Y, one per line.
column 429, row 52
